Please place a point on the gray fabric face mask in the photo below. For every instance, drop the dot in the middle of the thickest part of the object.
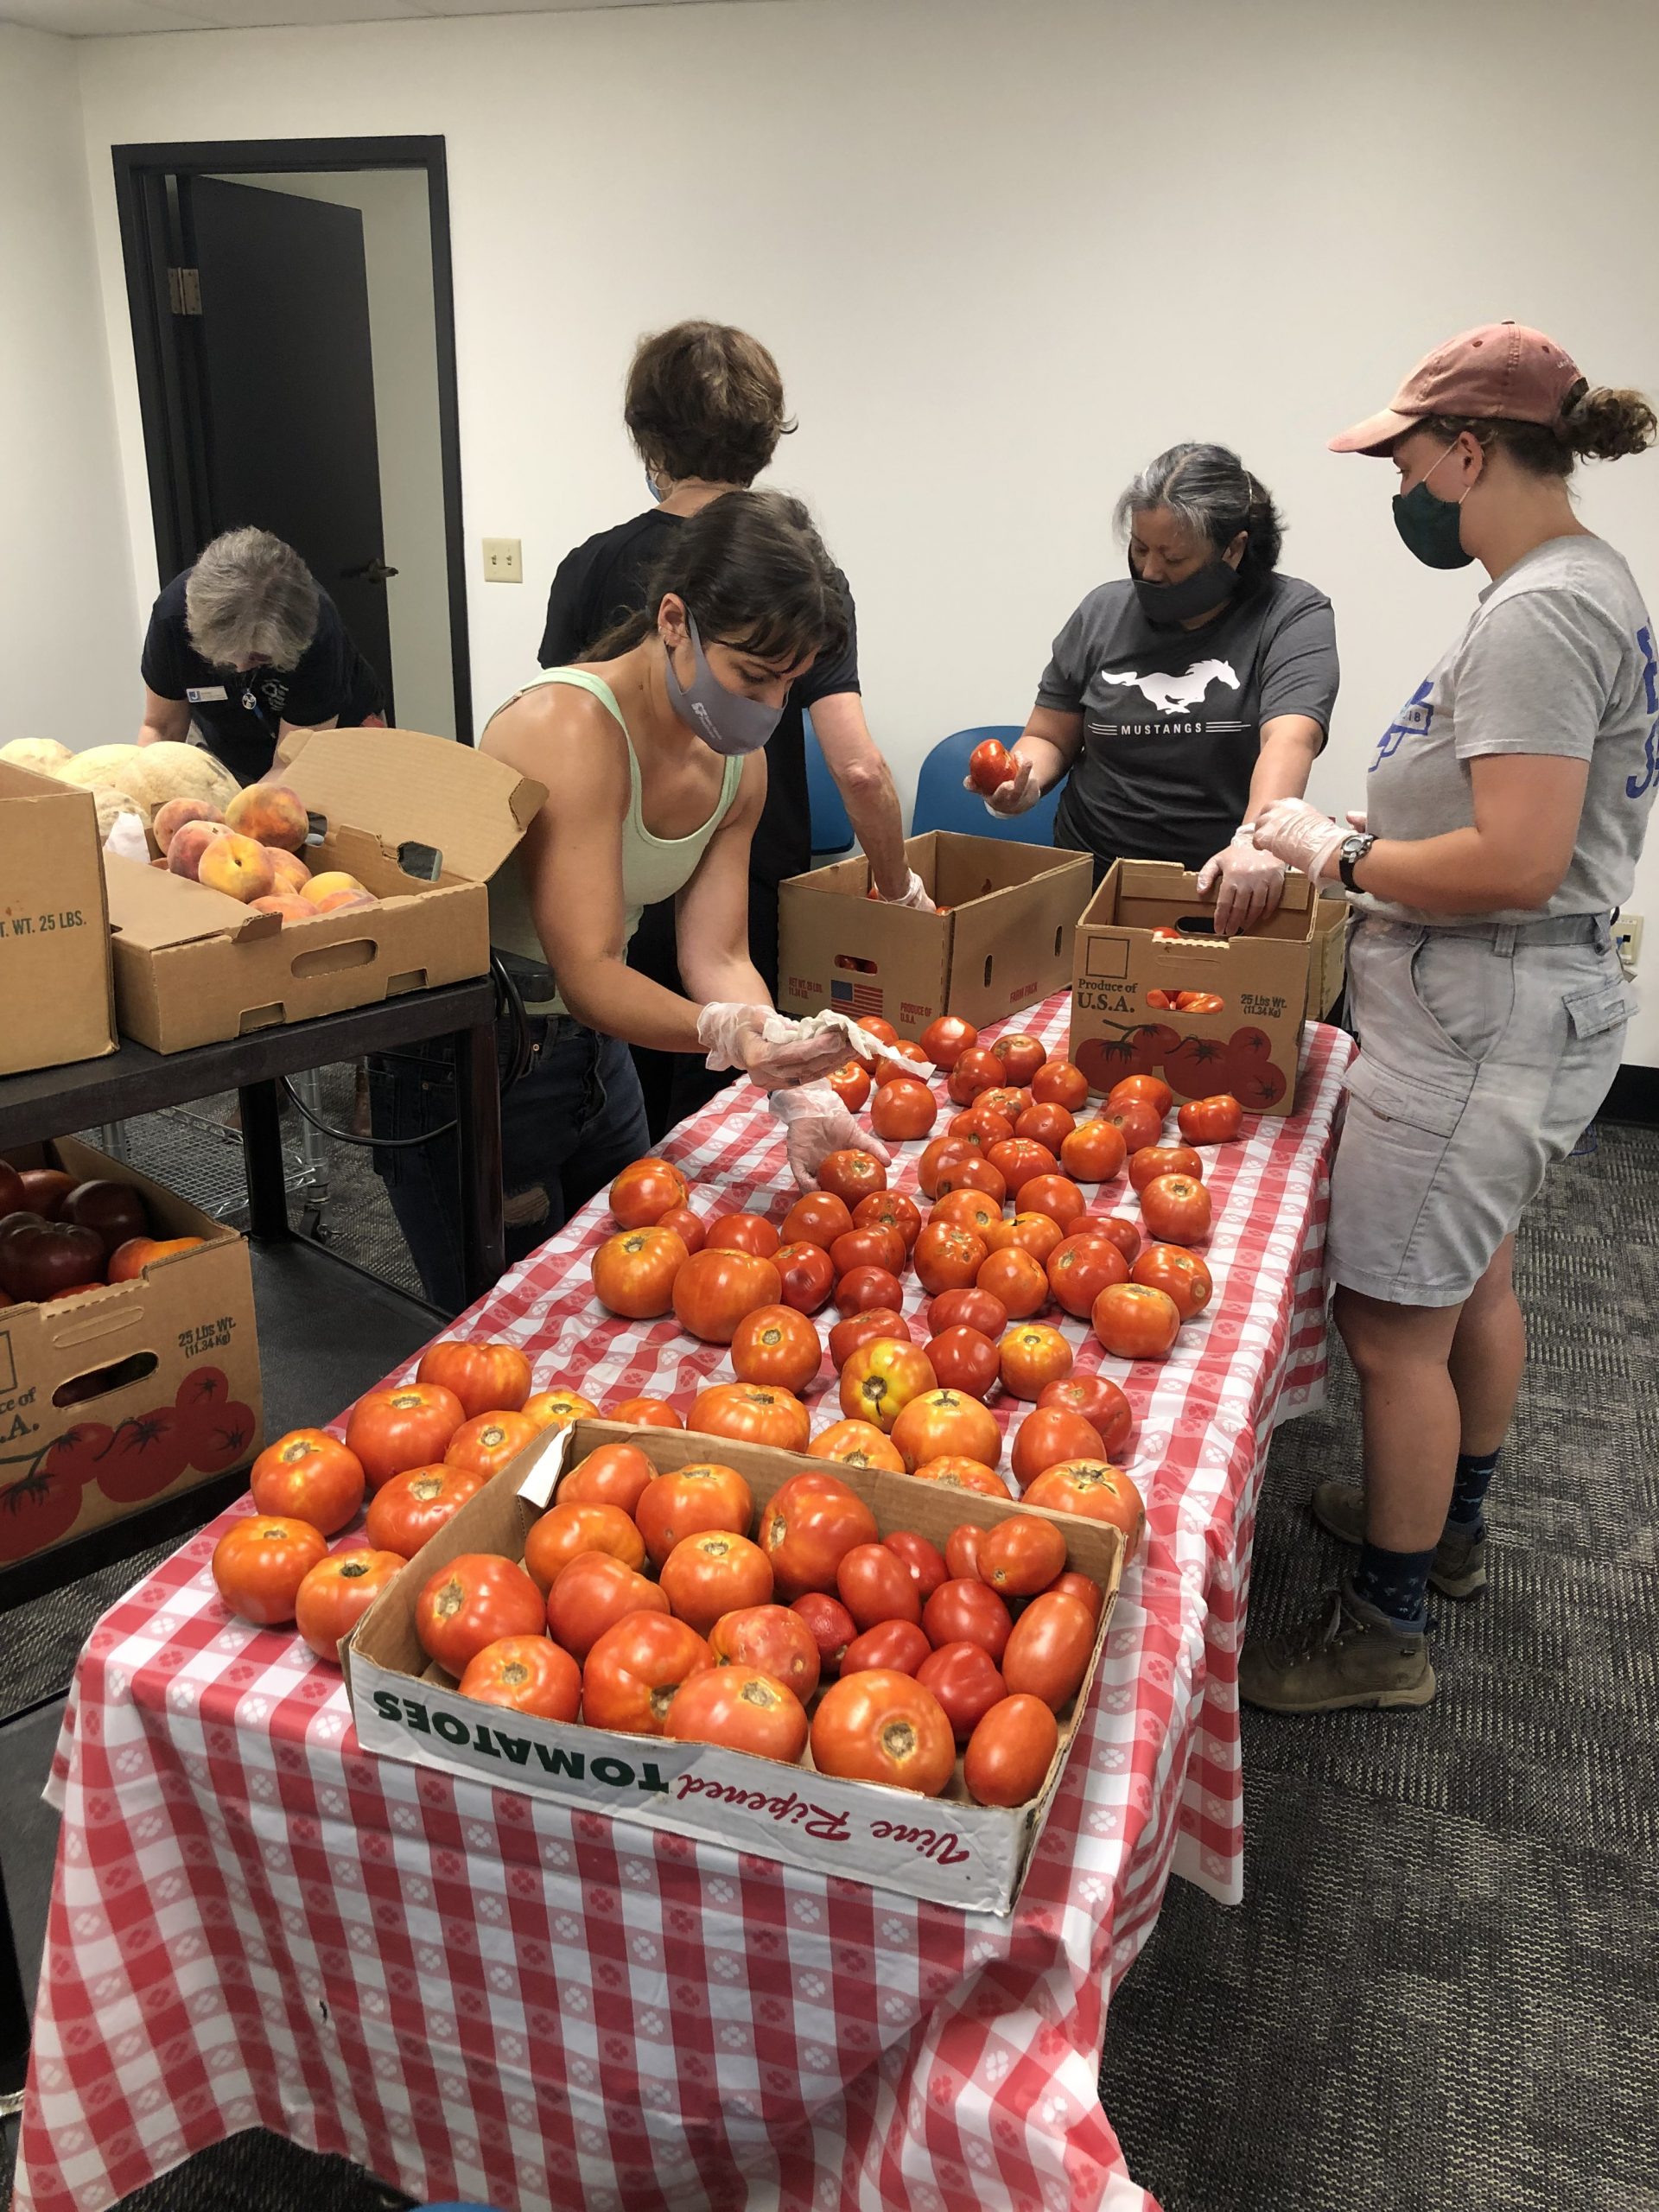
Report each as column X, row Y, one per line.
column 725, row 721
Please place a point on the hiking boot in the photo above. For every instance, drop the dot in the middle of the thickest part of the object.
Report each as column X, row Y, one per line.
column 1460, row 1568
column 1345, row 1654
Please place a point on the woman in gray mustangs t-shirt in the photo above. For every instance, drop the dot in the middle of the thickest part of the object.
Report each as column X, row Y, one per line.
column 1505, row 809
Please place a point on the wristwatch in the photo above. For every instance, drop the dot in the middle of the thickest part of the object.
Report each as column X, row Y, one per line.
column 1349, row 854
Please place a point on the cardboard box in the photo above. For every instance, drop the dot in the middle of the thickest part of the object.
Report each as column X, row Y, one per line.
column 117, row 1397
column 946, row 1848
column 1005, row 943
column 1262, row 979
column 56, row 1002
column 421, row 821
column 1327, row 964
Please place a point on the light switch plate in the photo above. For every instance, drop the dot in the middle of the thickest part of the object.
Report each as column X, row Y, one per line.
column 503, row 560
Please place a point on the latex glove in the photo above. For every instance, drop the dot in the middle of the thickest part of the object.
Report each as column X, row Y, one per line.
column 817, row 1124
column 913, row 895
column 1251, row 883
column 1299, row 836
column 1017, row 796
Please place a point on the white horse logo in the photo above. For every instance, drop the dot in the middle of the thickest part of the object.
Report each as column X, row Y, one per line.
column 1173, row 695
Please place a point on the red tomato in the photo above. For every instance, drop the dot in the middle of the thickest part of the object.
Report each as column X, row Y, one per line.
column 1047, row 1125
column 561, row 1409
column 903, row 1110
column 642, row 1194
column 1004, row 1102
column 630, row 1677
column 1094, row 1152
column 308, row 1476
column 404, row 1513
column 486, row 1378
column 1080, row 1586
column 879, row 1026
column 974, row 1070
column 337, row 1592
column 876, row 1246
column 1121, row 1230
column 831, row 1625
column 807, row 1528
column 1056, row 1196
column 889, row 1210
column 807, row 1277
column 962, row 1553
column 971, row 1171
column 881, row 1378
column 852, row 1174
column 862, row 1289
column 1031, row 1231
column 862, row 1329
column 409, row 1425
column 1021, row 1556
column 259, row 1564
column 856, row 1443
column 947, row 1039
column 741, row 1709
column 714, row 1572
column 1010, row 1752
column 679, row 1504
column 979, row 1125
column 947, row 1257
column 1049, row 1435
column 875, row 1584
column 646, row 1413
column 714, row 1290
column 851, row 1084
column 882, row 1727
column 1060, row 1083
column 1021, row 1055
column 592, row 1591
column 565, row 1532
column 1017, row 1279
column 1080, row 1268
column 753, row 1413
column 955, row 1471
column 1047, row 1655
column 774, row 1639
column 742, row 1232
column 815, row 1218
column 474, row 1600
column 1020, row 1161
column 961, row 1612
column 936, row 1155
column 614, row 1474
column 489, row 1443
column 899, row 1645
column 990, row 766
column 1176, row 1210
column 1140, row 1126
column 525, row 1674
column 775, row 1344
column 1031, row 1356
column 968, row 1309
column 962, row 1359
column 946, row 1424
column 1180, row 1274
column 1101, row 1403
column 688, row 1227
column 965, row 1680
column 1210, row 1121
column 1150, row 1090
column 1156, row 1159
column 927, row 1568
column 1098, row 1491
column 971, row 1210
column 1135, row 1323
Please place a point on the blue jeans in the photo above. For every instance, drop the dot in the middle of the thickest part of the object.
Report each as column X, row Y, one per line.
column 567, row 1127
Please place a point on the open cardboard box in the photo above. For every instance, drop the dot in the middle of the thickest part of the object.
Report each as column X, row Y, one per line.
column 422, row 821
column 1327, row 959
column 948, row 1848
column 1005, row 943
column 56, row 1003
column 119, row 1395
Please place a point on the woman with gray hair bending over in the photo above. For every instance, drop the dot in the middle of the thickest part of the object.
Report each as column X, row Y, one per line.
column 1187, row 695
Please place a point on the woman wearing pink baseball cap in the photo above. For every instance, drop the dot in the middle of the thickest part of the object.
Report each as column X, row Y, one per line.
column 1505, row 809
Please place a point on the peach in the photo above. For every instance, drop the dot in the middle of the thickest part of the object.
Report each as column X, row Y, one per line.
column 187, row 846
column 337, row 902
column 290, row 909
column 172, row 818
column 331, row 880
column 238, row 867
column 289, row 870
column 271, row 814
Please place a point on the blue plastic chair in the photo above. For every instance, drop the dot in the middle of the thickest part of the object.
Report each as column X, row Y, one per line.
column 832, row 831
column 942, row 804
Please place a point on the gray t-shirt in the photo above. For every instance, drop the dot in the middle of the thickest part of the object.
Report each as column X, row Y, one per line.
column 1558, row 656
column 1172, row 719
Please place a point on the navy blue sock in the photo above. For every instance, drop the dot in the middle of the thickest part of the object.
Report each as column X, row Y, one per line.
column 1396, row 1583
column 1474, row 1477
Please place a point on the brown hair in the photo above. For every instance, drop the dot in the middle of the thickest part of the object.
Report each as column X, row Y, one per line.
column 706, row 400
column 1596, row 423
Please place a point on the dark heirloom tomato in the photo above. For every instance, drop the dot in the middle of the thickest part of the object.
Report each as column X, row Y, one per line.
column 804, row 1271
column 966, row 1680
column 1010, row 1752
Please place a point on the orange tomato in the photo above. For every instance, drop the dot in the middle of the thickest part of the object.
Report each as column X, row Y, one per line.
column 643, row 1193
column 633, row 1272
column 487, row 1444
column 955, row 1471
column 1151, row 1091
column 1155, row 1160
column 948, row 1257
column 1031, row 1356
column 1030, row 1230
column 1176, row 1210
column 485, row 1377
column 712, row 1574
column 889, row 1210
column 852, row 1174
column 1135, row 1323
column 1060, row 1083
column 525, row 1674
column 1049, row 1435
column 478, row 1598
column 592, row 1591
column 903, row 1110
column 776, row 1344
column 742, row 1232
column 561, row 1409
column 565, row 1532
column 308, row 1475
column 404, row 1513
column 1046, row 1124
column 631, row 1674
column 971, row 1171
column 1080, row 1268
column 1010, row 1752
column 646, row 1413
column 408, row 1425
column 129, row 1260
column 741, row 1709
column 337, row 1592
column 881, row 1725
column 706, row 1495
column 945, row 1040
column 613, row 1474
column 714, row 1291
column 815, row 1218
column 856, row 1443
column 1094, row 1152
column 946, row 1424
column 1021, row 1556
column 881, row 1378
column 1180, row 1274
column 753, row 1413
column 851, row 1084
column 1017, row 1279
column 1047, row 1655
column 974, row 1210
column 259, row 1564
column 1096, row 1490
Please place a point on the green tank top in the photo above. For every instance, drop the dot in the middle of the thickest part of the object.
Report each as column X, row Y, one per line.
column 653, row 867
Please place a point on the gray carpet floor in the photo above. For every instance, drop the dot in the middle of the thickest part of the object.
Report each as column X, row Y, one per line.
column 1442, row 1989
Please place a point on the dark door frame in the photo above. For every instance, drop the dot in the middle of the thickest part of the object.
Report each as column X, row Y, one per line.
column 171, row 447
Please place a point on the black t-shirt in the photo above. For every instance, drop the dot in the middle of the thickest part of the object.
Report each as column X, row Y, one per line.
column 241, row 716
column 602, row 581
column 1172, row 718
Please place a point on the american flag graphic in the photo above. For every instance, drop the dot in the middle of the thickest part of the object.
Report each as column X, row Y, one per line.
column 856, row 999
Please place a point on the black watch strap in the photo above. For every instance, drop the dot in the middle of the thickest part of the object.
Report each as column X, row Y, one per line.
column 1351, row 852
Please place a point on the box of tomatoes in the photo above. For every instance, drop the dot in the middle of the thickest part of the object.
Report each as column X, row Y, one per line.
column 1155, row 991
column 129, row 1358
column 942, row 1843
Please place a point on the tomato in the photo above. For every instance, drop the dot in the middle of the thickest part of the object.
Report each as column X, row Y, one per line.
column 807, row 1277
column 1031, row 1354
column 1021, row 1556
column 741, row 1709
column 564, row 1532
column 890, row 1209
column 1049, row 1435
column 714, row 1291
column 955, row 1471
column 961, row 1612
column 881, row 1378
column 630, row 1676
column 990, row 766
column 1080, row 1268
column 705, row 1495
column 1102, row 1404
column 947, row 1424
column 1060, row 1083
column 1021, row 1055
column 862, row 1289
column 862, row 1329
column 753, row 1413
column 1260, row 1088
column 1155, row 1160
column 613, row 1474
column 856, row 1443
column 972, row 1171
column 1135, row 1323
column 1094, row 1152
column 1048, row 1126
column 879, row 1026
column 875, row 1584
column 1121, row 1230
column 1139, row 1126
column 1149, row 1090
column 1210, row 1121
column 336, row 1593
column 974, row 1070
column 1017, row 1279
column 882, row 1727
column 413, row 1506
column 815, row 1218
column 688, row 1227
column 1194, row 1064
column 979, row 1125
column 903, row 1110
column 832, row 1626
column 1096, row 1490
column 1082, row 1587
column 1020, row 1161
column 808, row 1526
column 714, row 1572
column 487, row 1378
column 1005, row 1102
column 478, row 1598
column 774, row 1639
column 775, row 1345
column 972, row 1210
column 646, row 1413
column 562, row 1409
column 1047, row 1655
column 489, row 1443
column 962, row 1553
column 922, row 1561
column 962, row 1359
column 899, row 1645
column 1180, row 1274
column 409, row 1425
column 876, row 1246
column 937, row 1155
column 945, row 1040
column 633, row 1272
column 1010, row 1752
column 643, row 1193
column 309, row 1476
column 592, row 1593
column 1028, row 1231
column 948, row 1257
column 1176, row 1210
column 966, row 1680
column 851, row 1084
column 525, row 1674
column 742, row 1232
column 1198, row 1002
column 968, row 1309
column 852, row 1174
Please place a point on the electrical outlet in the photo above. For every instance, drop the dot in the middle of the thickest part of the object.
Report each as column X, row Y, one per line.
column 1627, row 936
column 503, row 561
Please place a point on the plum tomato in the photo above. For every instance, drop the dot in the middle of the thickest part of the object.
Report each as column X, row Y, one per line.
column 927, row 1569
column 967, row 1682
column 1083, row 1587
column 1010, row 1752
column 962, row 1553
column 898, row 1644
column 1047, row 1653
column 963, row 1611
column 875, row 1584
column 990, row 766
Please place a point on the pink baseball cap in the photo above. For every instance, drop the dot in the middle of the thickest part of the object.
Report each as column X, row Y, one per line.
column 1501, row 372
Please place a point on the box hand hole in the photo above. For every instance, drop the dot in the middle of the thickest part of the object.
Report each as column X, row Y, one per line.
column 98, row 1382
column 330, row 959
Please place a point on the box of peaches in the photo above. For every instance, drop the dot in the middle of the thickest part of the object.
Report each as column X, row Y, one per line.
column 356, row 872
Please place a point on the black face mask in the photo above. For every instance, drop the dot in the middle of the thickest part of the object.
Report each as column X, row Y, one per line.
column 1168, row 606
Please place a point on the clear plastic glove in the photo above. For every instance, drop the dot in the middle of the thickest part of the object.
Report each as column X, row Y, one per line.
column 771, row 1049
column 817, row 1124
column 913, row 895
column 1251, row 883
column 1019, row 794
column 1299, row 836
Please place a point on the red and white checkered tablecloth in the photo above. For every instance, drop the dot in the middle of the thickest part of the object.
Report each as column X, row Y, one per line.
column 475, row 1993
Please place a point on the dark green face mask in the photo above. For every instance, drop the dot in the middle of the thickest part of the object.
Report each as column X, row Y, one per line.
column 1432, row 527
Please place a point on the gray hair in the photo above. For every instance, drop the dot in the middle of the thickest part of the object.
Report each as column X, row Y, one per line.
column 1208, row 488
column 250, row 596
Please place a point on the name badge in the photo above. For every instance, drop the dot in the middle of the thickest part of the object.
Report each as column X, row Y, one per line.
column 202, row 692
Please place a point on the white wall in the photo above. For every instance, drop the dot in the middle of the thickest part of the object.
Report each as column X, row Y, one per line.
column 1003, row 253
column 65, row 576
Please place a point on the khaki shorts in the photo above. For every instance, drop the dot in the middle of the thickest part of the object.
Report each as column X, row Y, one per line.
column 1486, row 1051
